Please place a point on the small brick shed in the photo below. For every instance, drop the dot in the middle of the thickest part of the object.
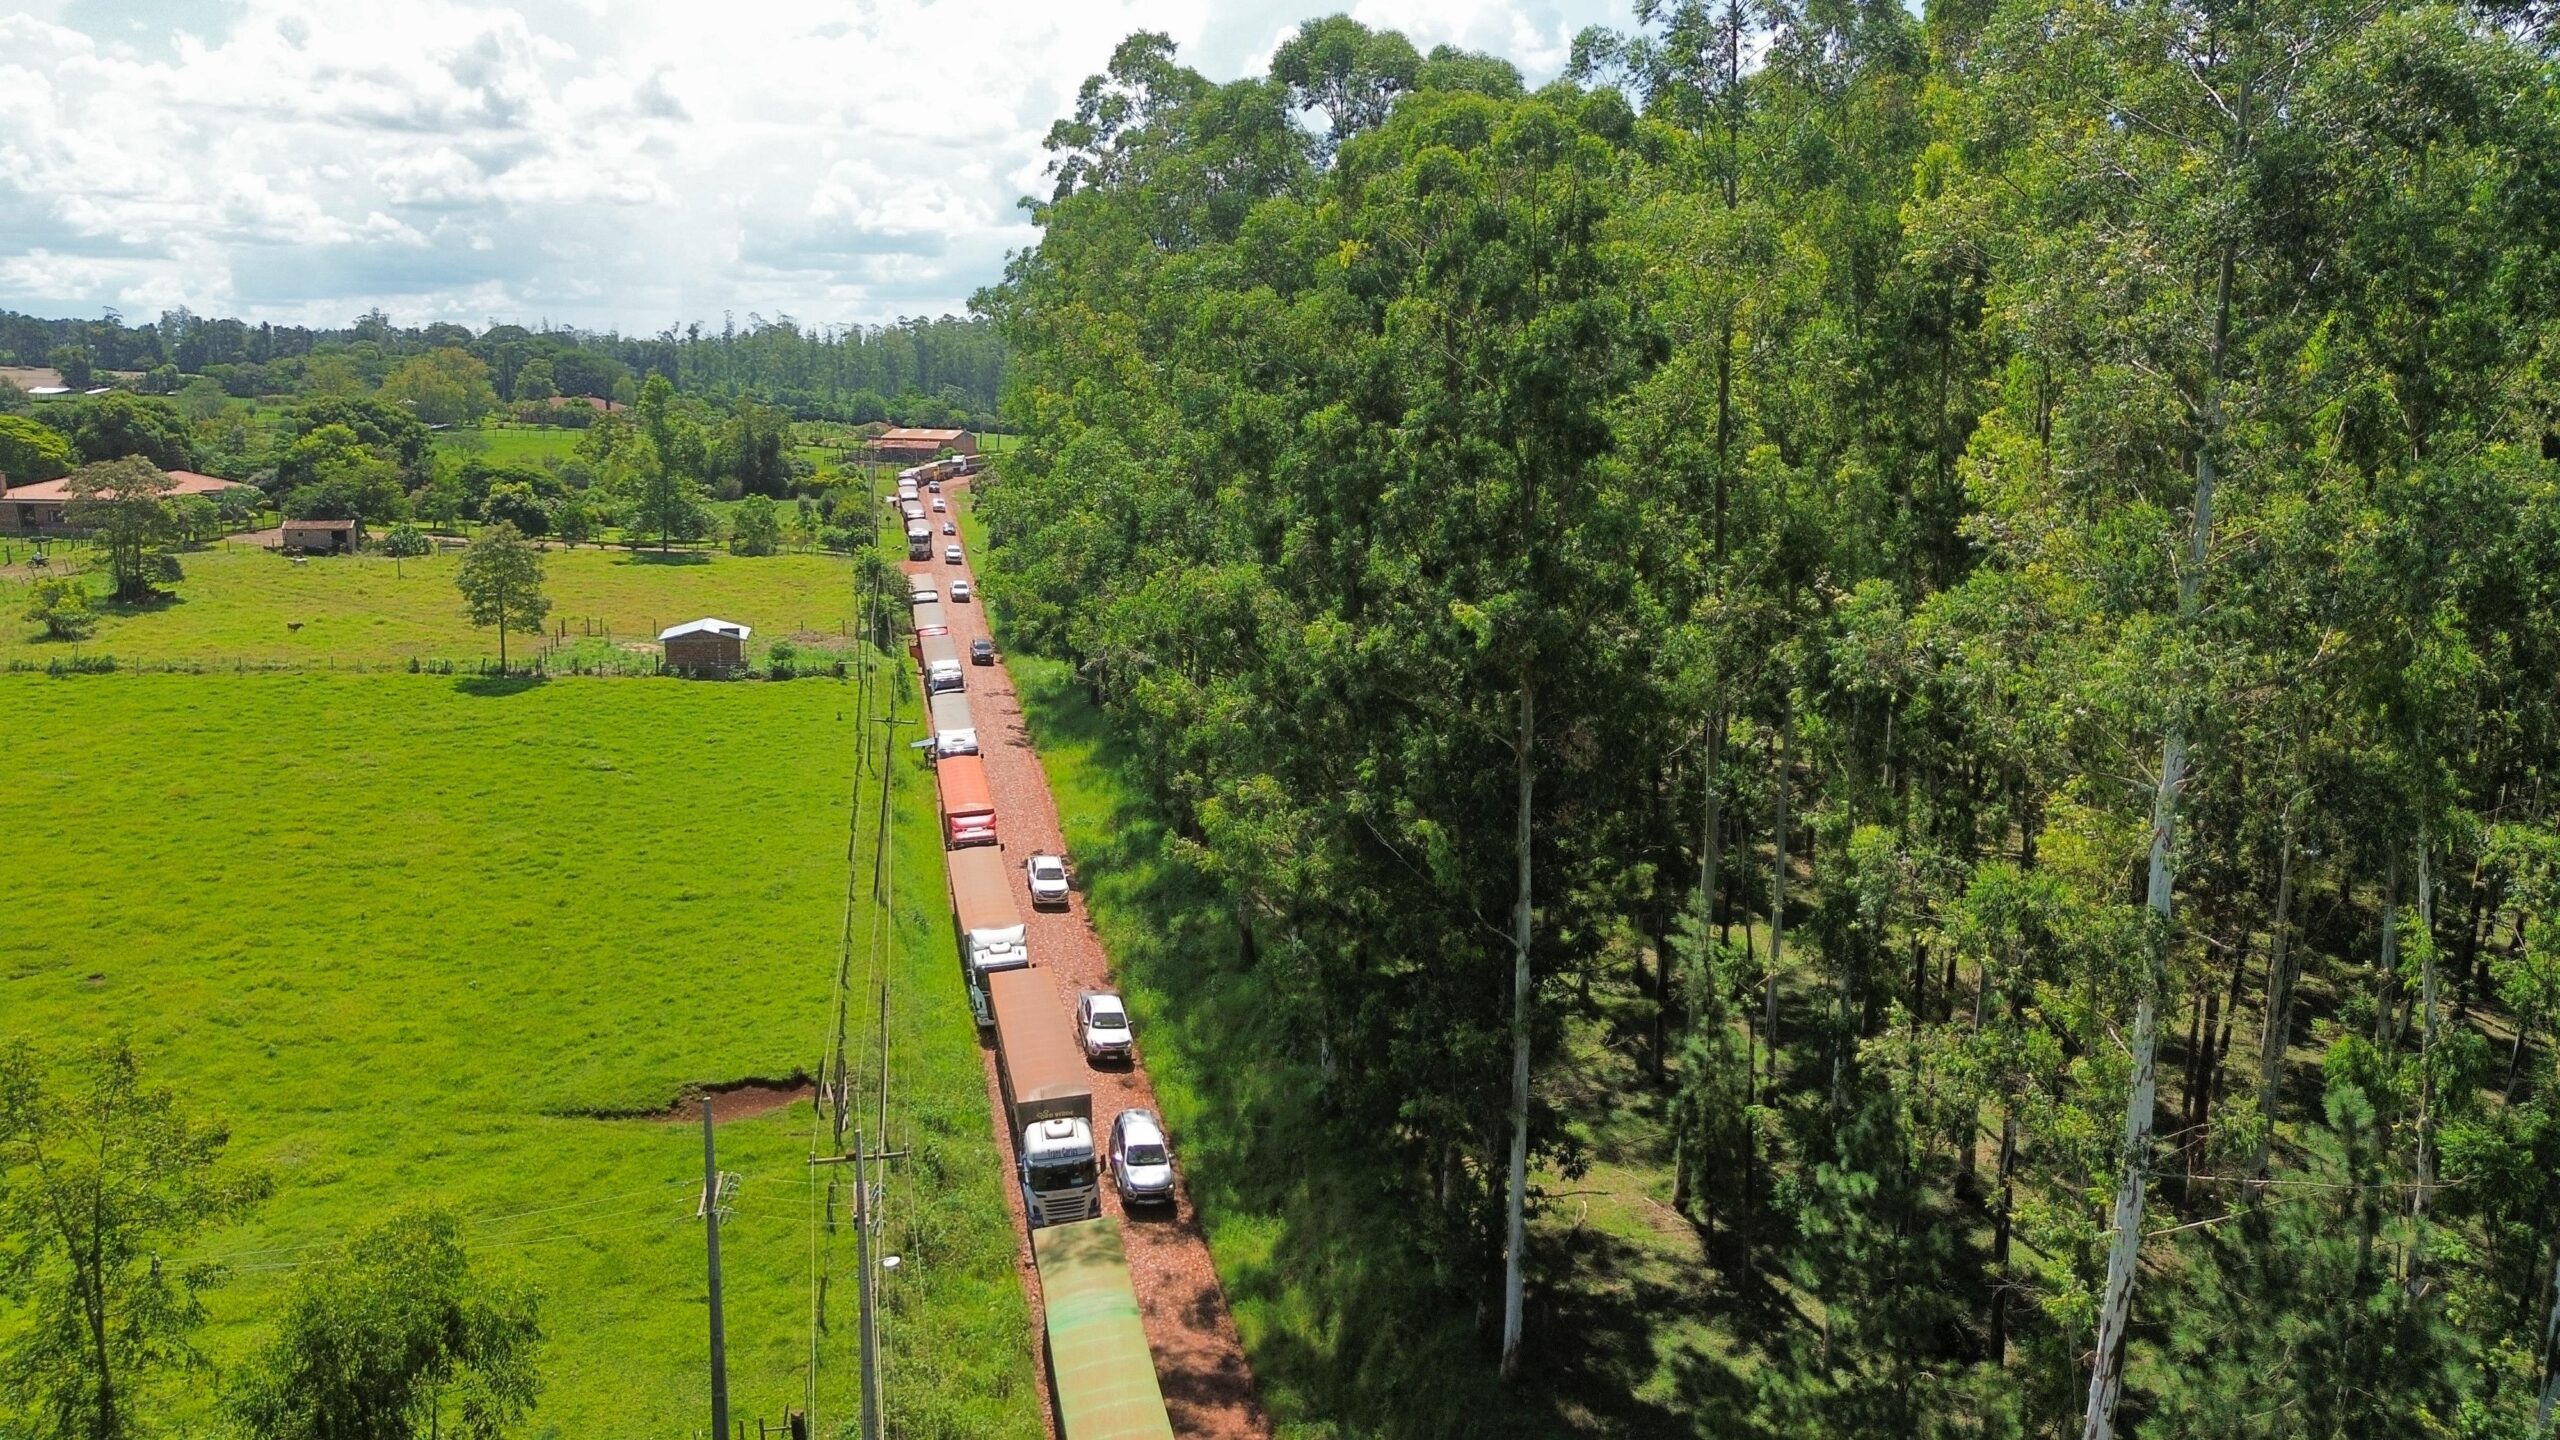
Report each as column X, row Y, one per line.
column 708, row 646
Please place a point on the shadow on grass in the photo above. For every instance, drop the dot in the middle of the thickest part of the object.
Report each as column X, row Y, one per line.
column 1349, row 1329
column 491, row 686
column 667, row 557
column 158, row 602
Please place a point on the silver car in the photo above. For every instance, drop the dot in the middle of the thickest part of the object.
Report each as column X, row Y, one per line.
column 1141, row 1161
column 960, row 592
column 950, row 554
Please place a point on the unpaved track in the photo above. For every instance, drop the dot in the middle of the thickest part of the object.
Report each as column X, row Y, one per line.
column 1208, row 1386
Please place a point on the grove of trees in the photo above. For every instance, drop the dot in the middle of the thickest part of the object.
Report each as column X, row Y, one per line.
column 1995, row 576
column 920, row 371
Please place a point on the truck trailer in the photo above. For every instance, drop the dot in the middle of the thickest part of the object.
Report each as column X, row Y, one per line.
column 992, row 937
column 1099, row 1365
column 1048, row 1106
column 968, row 806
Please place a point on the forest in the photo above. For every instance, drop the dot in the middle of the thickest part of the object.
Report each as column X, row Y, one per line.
column 918, row 371
column 1993, row 575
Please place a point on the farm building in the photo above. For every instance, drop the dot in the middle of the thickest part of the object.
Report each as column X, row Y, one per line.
column 705, row 647
column 37, row 509
column 321, row 537
column 909, row 445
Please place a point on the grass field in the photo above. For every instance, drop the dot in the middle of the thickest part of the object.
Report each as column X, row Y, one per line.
column 405, row 933
column 240, row 603
column 510, row 445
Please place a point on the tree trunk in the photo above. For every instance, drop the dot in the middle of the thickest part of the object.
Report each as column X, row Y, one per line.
column 2000, row 1223
column 2386, row 1008
column 2551, row 1351
column 1517, row 1229
column 2426, row 1164
column 2124, row 1252
column 2275, row 1038
column 1777, row 898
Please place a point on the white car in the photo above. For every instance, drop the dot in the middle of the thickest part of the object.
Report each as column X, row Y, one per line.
column 960, row 592
column 1048, row 877
column 947, row 528
column 938, row 505
column 950, row 554
column 1141, row 1161
column 1104, row 1023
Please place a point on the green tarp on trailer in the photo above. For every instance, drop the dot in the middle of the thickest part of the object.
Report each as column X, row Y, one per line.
column 1098, row 1360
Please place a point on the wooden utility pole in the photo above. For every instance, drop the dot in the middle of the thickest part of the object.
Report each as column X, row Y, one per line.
column 711, row 1242
column 867, row 1300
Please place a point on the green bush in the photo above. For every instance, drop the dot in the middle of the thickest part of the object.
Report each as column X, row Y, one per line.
column 61, row 606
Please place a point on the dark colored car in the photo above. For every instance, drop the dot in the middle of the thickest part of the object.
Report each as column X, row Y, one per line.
column 982, row 652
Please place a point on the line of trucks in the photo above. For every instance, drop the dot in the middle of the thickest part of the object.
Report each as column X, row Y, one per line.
column 1101, row 1372
column 917, row 481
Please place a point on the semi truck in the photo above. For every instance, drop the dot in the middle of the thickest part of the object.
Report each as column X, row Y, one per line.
column 992, row 937
column 1048, row 1106
column 919, row 540
column 939, row 655
column 954, row 731
column 968, row 807
column 1099, row 1365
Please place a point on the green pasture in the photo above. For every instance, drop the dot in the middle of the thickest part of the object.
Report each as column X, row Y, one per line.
column 510, row 444
column 410, row 936
column 239, row 603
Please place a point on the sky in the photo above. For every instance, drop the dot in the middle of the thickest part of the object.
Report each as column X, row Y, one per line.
column 603, row 163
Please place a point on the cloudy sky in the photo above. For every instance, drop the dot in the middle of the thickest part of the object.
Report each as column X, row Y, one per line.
column 601, row 162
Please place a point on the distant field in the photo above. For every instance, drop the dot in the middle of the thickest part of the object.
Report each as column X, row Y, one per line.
column 512, row 445
column 402, row 932
column 240, row 603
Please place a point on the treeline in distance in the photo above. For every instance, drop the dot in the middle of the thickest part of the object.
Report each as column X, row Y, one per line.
column 945, row 371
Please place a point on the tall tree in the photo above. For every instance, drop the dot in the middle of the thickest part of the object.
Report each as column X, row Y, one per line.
column 501, row 582
column 123, row 505
column 102, row 1185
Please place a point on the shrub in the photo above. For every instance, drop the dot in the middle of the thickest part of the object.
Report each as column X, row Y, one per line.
column 62, row 607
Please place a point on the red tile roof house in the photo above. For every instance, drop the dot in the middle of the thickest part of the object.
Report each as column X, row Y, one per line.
column 37, row 509
column 903, row 443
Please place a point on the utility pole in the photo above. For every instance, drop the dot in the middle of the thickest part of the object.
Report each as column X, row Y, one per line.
column 863, row 1292
column 867, row 1301
column 711, row 1241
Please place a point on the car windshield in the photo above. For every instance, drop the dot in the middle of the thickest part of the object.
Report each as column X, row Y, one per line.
column 1047, row 869
column 1146, row 1153
column 1108, row 1017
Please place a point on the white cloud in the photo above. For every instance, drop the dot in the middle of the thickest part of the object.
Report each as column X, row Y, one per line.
column 607, row 164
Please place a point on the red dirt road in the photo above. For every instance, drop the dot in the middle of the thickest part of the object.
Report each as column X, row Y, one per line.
column 1208, row 1386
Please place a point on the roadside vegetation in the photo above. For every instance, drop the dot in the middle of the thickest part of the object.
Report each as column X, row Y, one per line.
column 1837, row 731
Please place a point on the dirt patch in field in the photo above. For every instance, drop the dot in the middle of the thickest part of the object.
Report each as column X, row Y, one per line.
column 730, row 1100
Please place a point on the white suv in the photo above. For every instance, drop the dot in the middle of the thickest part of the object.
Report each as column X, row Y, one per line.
column 1103, row 1022
column 1048, row 877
